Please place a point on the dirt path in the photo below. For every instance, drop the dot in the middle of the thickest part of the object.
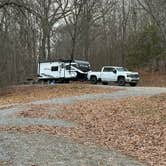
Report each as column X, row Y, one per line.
column 26, row 149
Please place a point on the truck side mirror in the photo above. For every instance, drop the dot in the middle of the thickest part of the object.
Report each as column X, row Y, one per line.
column 114, row 71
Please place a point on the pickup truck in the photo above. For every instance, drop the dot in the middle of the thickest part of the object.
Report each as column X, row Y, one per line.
column 116, row 74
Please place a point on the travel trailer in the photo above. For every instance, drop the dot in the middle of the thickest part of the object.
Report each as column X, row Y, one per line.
column 63, row 70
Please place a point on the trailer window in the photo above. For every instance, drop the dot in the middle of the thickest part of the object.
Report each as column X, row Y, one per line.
column 54, row 68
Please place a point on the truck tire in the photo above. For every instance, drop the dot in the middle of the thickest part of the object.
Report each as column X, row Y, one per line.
column 121, row 81
column 93, row 80
column 133, row 84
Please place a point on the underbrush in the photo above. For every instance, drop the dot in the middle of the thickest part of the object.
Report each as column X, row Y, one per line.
column 149, row 78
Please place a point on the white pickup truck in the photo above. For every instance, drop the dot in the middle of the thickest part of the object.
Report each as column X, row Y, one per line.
column 114, row 74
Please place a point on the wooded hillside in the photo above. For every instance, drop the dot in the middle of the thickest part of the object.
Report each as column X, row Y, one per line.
column 131, row 33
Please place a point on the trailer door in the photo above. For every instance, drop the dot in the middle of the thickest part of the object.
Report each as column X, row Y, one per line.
column 62, row 71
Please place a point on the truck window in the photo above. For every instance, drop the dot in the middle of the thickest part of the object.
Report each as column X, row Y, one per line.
column 108, row 69
column 54, row 68
column 121, row 69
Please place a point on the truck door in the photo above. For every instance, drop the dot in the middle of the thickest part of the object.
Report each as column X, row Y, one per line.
column 107, row 74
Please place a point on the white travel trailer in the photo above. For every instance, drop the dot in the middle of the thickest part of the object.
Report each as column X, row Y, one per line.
column 63, row 70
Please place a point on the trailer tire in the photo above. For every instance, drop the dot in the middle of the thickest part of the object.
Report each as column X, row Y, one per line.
column 93, row 80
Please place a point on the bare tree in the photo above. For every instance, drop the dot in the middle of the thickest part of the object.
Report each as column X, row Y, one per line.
column 117, row 32
column 72, row 22
column 152, row 8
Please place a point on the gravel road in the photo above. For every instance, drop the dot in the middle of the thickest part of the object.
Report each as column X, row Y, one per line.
column 29, row 149
column 46, row 150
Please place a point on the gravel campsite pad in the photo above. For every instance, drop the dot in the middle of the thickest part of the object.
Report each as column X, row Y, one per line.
column 86, row 129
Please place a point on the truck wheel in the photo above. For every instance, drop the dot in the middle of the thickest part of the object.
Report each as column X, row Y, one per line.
column 93, row 80
column 133, row 84
column 121, row 81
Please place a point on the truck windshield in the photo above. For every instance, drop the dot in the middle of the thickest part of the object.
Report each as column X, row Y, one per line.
column 121, row 69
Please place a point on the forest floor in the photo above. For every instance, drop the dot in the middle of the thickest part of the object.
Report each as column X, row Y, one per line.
column 28, row 93
column 111, row 126
column 152, row 79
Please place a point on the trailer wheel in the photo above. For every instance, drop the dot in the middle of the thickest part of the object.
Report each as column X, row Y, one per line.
column 93, row 80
